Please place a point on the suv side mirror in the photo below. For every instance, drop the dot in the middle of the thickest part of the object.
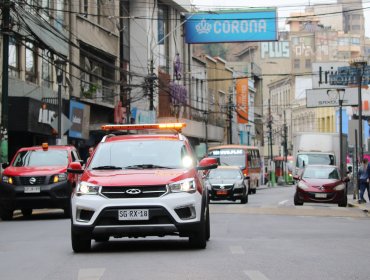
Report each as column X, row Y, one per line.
column 5, row 165
column 75, row 168
column 207, row 163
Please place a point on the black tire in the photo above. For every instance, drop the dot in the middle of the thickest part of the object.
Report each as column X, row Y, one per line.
column 244, row 198
column 208, row 225
column 80, row 243
column 6, row 214
column 67, row 212
column 297, row 202
column 26, row 212
column 344, row 202
column 198, row 239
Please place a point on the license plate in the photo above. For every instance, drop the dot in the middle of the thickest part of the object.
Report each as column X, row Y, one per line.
column 320, row 195
column 133, row 214
column 31, row 189
column 222, row 192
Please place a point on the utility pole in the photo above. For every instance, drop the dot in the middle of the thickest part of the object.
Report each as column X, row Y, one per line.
column 285, row 149
column 5, row 82
column 151, row 86
column 230, row 119
column 272, row 165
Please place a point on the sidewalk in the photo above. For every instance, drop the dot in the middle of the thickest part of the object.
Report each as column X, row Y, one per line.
column 354, row 203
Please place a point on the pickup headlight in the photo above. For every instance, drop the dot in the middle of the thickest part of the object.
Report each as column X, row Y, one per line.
column 187, row 185
column 87, row 188
column 302, row 185
column 60, row 177
column 8, row 179
column 339, row 187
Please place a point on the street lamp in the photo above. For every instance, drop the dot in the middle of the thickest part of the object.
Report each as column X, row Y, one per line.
column 59, row 63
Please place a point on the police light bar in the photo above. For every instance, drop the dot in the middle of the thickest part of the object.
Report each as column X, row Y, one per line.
column 164, row 126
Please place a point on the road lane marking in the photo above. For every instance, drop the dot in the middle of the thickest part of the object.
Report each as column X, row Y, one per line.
column 90, row 273
column 237, row 250
column 255, row 275
column 283, row 202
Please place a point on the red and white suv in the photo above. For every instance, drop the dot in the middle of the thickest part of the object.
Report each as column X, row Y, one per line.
column 141, row 185
column 37, row 178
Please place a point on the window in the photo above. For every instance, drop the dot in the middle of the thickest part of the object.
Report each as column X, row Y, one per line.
column 59, row 15
column 31, row 63
column 163, row 43
column 84, row 8
column 13, row 58
column 296, row 63
column 308, row 63
column 97, row 80
column 46, row 72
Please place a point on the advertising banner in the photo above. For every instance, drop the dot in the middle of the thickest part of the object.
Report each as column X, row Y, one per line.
column 247, row 26
column 242, row 100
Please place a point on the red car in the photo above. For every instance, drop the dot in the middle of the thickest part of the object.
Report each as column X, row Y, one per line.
column 321, row 184
column 37, row 178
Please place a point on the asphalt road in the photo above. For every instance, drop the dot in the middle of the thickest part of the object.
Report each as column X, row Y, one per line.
column 267, row 239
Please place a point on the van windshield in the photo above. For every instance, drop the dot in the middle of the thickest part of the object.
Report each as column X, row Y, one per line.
column 306, row 159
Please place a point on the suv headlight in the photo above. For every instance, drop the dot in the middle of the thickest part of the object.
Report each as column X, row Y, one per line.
column 87, row 188
column 302, row 185
column 60, row 177
column 8, row 179
column 187, row 185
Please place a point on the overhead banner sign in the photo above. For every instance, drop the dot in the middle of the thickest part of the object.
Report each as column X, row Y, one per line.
column 247, row 26
column 330, row 97
column 338, row 75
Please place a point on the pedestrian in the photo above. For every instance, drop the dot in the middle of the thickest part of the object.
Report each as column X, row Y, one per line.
column 91, row 150
column 363, row 175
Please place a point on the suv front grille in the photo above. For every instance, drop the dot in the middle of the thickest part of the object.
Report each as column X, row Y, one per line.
column 134, row 191
column 25, row 181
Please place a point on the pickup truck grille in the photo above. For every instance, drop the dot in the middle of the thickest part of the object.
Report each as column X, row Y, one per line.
column 134, row 191
column 36, row 180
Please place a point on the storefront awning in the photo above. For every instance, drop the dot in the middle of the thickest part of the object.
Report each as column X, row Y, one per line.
column 52, row 38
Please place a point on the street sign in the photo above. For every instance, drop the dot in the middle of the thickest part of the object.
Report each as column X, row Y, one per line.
column 66, row 124
column 330, row 97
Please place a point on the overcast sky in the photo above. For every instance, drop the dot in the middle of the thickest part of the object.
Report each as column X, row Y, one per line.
column 285, row 7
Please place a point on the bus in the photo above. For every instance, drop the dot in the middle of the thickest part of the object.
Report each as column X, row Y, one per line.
column 279, row 168
column 246, row 157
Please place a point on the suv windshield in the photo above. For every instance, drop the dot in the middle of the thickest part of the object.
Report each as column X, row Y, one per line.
column 41, row 158
column 144, row 154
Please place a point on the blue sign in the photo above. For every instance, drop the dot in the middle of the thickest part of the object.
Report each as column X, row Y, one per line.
column 231, row 27
column 76, row 115
column 347, row 76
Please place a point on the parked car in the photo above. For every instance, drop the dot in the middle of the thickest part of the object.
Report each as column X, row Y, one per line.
column 227, row 183
column 37, row 178
column 138, row 185
column 321, row 184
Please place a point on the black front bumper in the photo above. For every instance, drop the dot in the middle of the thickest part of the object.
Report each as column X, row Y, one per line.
column 56, row 195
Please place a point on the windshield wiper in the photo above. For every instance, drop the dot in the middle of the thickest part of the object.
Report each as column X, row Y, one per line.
column 146, row 166
column 112, row 167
